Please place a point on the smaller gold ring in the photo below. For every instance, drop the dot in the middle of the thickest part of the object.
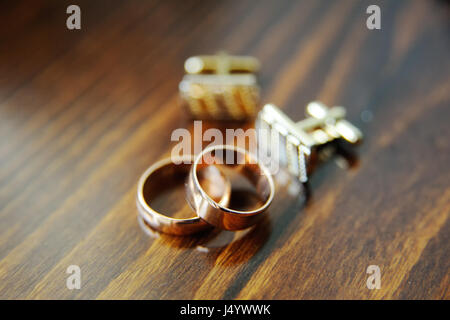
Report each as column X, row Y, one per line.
column 218, row 214
column 165, row 174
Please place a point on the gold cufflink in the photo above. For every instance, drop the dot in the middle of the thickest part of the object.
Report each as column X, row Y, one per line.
column 296, row 141
column 221, row 87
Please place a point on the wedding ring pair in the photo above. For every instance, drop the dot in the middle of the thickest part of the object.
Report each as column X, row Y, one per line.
column 208, row 190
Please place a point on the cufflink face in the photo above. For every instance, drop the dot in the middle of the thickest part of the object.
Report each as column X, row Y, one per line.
column 291, row 144
column 220, row 87
column 279, row 141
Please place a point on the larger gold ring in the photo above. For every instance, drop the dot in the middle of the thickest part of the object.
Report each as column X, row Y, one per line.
column 217, row 214
column 164, row 176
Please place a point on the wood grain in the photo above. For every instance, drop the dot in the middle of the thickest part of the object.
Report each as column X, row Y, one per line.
column 84, row 113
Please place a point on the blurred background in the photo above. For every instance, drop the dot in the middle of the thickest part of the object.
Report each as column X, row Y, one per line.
column 84, row 112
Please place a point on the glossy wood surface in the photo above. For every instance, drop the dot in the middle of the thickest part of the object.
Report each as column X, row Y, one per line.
column 84, row 112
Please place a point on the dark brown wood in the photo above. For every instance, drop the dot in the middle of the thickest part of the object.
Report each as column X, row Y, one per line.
column 84, row 113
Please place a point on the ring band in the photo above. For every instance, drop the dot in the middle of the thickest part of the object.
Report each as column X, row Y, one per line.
column 218, row 214
column 165, row 174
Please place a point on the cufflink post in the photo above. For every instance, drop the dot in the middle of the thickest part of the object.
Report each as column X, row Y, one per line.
column 221, row 63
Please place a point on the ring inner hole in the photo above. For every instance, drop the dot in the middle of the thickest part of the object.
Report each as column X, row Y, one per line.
column 165, row 192
column 242, row 176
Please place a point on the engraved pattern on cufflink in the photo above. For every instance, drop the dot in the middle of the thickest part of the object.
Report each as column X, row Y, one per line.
column 298, row 140
column 220, row 87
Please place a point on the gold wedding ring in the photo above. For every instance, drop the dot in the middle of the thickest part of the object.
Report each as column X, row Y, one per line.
column 218, row 214
column 165, row 175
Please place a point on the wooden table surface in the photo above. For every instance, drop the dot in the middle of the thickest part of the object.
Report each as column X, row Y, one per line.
column 84, row 112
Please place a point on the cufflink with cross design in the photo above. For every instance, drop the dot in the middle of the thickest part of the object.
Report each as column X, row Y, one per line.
column 291, row 144
column 220, row 87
